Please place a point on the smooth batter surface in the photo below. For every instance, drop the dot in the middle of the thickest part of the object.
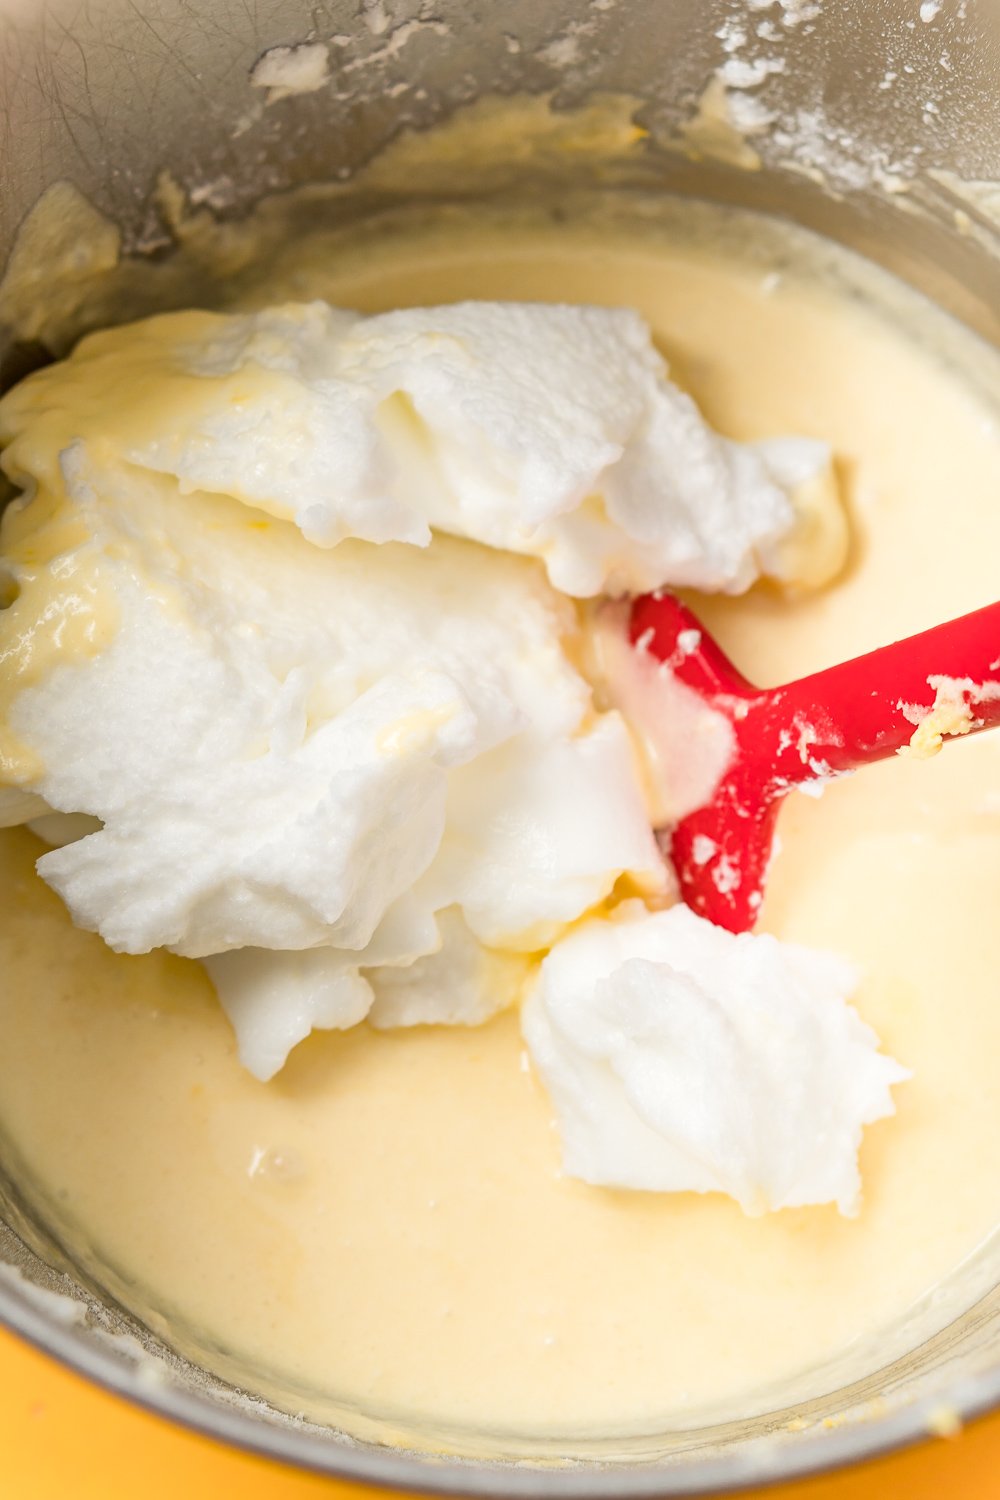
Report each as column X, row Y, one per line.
column 384, row 1225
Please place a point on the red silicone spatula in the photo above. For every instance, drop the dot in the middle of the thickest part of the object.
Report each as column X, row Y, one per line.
column 834, row 721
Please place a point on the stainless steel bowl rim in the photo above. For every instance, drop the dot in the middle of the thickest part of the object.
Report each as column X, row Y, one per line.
column 756, row 1464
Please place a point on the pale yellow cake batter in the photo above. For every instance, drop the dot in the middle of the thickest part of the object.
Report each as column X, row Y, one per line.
column 384, row 1227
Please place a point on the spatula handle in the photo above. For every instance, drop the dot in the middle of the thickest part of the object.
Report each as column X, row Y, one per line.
column 870, row 707
column 847, row 715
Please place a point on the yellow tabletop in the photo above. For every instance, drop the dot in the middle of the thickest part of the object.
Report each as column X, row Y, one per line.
column 62, row 1439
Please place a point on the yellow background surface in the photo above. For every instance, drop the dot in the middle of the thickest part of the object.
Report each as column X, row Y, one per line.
column 62, row 1439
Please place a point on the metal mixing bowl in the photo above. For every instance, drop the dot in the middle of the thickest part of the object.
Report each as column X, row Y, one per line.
column 879, row 126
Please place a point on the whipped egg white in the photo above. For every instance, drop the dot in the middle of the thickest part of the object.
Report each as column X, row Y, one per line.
column 324, row 702
column 680, row 1057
